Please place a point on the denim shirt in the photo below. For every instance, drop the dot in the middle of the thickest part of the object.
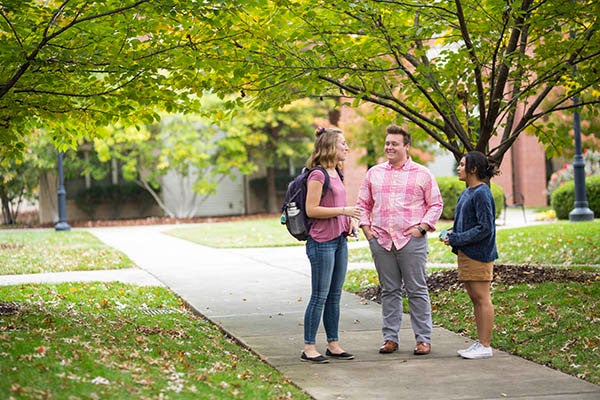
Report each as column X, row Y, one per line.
column 474, row 231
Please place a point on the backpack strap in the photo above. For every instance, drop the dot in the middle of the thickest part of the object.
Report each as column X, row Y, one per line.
column 340, row 173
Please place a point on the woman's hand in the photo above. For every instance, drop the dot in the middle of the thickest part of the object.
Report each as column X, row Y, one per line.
column 446, row 240
column 352, row 211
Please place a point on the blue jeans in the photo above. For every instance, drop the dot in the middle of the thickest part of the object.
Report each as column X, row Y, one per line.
column 328, row 263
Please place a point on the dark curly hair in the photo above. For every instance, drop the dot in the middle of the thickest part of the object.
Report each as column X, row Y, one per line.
column 477, row 162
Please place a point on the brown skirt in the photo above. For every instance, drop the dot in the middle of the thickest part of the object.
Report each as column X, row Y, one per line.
column 473, row 270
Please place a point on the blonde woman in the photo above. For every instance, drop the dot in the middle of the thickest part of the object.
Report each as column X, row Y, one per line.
column 326, row 246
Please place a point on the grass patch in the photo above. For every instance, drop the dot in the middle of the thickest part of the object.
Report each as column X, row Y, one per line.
column 37, row 251
column 260, row 232
column 95, row 339
column 554, row 324
column 551, row 323
column 559, row 243
column 359, row 279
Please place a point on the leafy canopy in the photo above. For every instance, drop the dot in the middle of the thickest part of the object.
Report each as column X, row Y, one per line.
column 462, row 71
column 73, row 66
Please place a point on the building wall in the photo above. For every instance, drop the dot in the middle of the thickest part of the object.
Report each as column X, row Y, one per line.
column 354, row 174
column 354, row 171
column 523, row 170
column 178, row 196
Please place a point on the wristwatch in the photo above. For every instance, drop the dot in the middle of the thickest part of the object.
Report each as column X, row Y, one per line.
column 423, row 231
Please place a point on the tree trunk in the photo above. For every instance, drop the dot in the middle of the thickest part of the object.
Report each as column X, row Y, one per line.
column 6, row 211
column 48, row 204
column 272, row 203
column 143, row 183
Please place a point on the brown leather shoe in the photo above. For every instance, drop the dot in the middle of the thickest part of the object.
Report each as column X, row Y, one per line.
column 422, row 348
column 388, row 347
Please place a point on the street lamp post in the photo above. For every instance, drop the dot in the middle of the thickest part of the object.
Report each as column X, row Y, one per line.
column 62, row 224
column 581, row 212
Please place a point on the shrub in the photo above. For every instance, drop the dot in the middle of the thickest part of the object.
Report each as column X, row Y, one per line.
column 560, row 177
column 498, row 194
column 115, row 196
column 451, row 188
column 88, row 200
column 563, row 198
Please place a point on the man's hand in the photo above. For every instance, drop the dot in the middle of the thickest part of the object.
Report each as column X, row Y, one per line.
column 369, row 234
column 414, row 231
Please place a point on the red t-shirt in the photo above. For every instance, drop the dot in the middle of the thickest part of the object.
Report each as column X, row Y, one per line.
column 323, row 230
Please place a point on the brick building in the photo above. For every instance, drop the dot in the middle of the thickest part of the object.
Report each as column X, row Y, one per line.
column 524, row 170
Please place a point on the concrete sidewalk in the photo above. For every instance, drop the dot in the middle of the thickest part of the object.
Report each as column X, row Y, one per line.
column 259, row 297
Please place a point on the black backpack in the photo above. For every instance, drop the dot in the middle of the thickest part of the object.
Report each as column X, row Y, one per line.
column 293, row 210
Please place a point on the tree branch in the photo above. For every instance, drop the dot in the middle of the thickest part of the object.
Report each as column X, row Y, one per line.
column 498, row 94
column 82, row 95
column 12, row 28
column 474, row 60
column 411, row 115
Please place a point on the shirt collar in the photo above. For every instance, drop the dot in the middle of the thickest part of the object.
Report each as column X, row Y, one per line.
column 404, row 166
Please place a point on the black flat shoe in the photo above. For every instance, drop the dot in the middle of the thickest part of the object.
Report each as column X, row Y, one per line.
column 320, row 359
column 340, row 356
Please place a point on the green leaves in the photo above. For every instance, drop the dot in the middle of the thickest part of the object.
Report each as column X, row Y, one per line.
column 455, row 71
column 460, row 72
column 82, row 64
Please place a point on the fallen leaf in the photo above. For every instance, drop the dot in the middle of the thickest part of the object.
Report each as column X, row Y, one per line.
column 100, row 381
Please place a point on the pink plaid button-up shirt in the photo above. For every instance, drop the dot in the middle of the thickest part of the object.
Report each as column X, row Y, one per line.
column 396, row 199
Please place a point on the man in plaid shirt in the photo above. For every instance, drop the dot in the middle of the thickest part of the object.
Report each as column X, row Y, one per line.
column 401, row 202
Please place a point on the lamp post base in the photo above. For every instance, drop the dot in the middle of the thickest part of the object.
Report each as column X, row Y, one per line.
column 581, row 214
column 62, row 226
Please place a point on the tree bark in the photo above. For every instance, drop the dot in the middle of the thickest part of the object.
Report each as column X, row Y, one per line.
column 48, row 203
column 272, row 204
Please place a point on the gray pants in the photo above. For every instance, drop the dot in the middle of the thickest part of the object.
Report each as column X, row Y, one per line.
column 395, row 267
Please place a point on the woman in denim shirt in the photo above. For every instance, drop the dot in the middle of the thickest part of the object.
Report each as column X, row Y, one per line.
column 473, row 239
column 327, row 247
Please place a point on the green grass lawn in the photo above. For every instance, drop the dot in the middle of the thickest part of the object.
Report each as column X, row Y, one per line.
column 557, row 243
column 555, row 324
column 36, row 251
column 261, row 232
column 560, row 243
column 551, row 323
column 108, row 341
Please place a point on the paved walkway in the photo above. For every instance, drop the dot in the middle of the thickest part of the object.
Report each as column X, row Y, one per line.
column 259, row 296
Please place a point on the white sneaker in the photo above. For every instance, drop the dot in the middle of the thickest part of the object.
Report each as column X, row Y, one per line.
column 460, row 352
column 479, row 351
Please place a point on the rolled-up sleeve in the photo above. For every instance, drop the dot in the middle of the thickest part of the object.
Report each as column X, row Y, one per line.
column 434, row 203
column 365, row 201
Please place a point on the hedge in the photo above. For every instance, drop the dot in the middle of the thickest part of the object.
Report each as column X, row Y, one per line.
column 451, row 188
column 88, row 200
column 563, row 198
